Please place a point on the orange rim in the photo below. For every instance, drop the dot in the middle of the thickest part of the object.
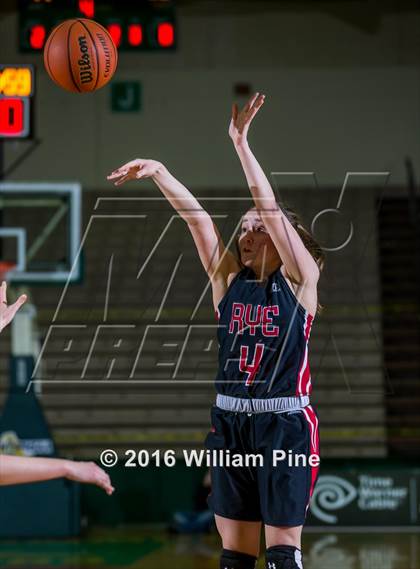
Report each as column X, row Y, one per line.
column 5, row 267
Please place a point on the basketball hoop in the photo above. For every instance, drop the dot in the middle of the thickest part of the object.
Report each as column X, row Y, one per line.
column 5, row 268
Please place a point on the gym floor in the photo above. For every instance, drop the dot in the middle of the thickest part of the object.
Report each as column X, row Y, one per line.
column 154, row 549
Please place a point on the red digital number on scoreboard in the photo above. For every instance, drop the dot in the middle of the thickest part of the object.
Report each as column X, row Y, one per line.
column 12, row 117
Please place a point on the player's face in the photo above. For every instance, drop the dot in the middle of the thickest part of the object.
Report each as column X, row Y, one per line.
column 255, row 244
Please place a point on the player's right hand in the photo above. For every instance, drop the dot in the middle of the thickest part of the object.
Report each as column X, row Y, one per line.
column 134, row 170
column 89, row 473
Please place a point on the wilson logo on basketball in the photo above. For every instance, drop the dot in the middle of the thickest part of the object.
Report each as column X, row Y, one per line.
column 80, row 55
column 85, row 68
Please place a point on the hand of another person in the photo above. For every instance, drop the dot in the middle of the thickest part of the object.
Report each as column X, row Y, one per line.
column 7, row 313
column 90, row 473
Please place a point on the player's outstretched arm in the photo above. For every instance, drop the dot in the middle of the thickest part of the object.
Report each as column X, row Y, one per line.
column 298, row 262
column 7, row 313
column 176, row 193
column 23, row 469
column 217, row 261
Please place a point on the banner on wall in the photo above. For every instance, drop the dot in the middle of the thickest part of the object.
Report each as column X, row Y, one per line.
column 366, row 498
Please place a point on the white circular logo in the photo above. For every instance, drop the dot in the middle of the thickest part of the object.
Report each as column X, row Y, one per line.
column 331, row 493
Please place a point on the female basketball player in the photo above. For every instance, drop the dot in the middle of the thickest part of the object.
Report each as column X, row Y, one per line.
column 23, row 469
column 265, row 300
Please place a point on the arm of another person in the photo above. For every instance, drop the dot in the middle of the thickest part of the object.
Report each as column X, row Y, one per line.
column 219, row 263
column 24, row 469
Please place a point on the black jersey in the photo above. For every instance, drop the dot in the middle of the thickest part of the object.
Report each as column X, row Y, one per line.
column 263, row 338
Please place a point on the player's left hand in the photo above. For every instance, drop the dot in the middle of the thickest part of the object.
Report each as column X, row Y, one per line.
column 241, row 120
column 7, row 313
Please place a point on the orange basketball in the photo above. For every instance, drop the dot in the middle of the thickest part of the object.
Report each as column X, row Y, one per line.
column 80, row 55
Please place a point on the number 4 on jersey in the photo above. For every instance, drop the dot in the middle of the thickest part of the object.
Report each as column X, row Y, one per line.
column 252, row 368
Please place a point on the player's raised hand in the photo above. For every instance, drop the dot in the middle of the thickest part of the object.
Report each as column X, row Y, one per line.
column 134, row 170
column 241, row 119
column 7, row 312
column 89, row 473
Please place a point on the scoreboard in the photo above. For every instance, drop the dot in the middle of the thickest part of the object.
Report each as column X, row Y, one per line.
column 16, row 91
column 136, row 25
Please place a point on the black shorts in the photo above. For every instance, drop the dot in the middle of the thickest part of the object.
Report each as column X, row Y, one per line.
column 276, row 494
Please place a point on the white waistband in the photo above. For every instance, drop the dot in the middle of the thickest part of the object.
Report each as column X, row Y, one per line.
column 273, row 405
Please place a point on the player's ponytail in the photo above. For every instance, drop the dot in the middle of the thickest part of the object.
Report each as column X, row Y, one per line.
column 308, row 240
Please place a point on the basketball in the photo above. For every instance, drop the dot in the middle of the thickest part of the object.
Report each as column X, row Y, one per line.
column 80, row 55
